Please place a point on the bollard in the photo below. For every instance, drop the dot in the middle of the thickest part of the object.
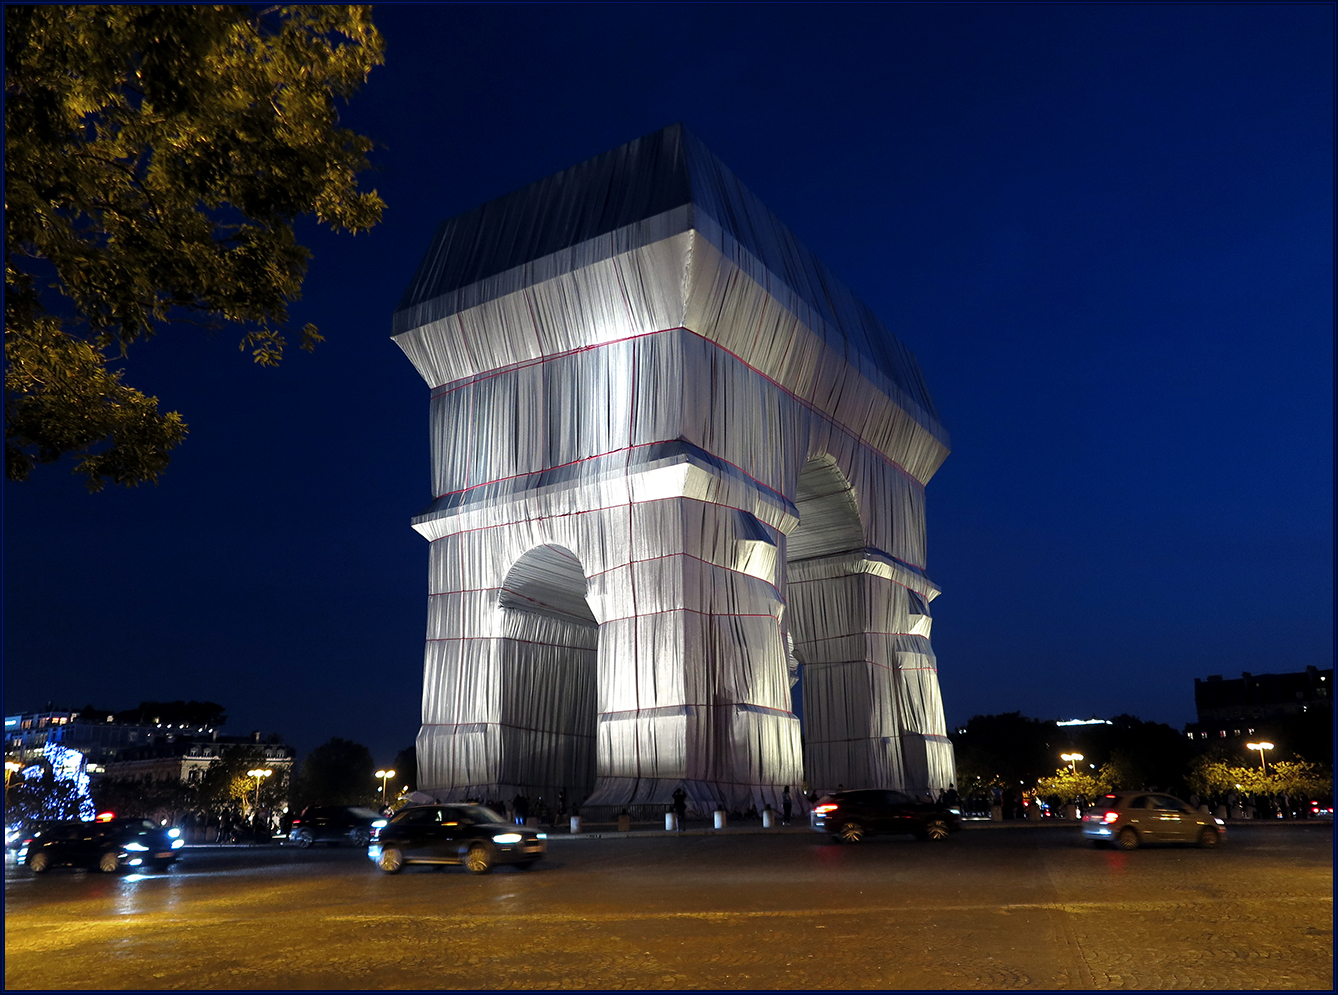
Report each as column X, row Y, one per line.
column 532, row 822
column 624, row 822
column 720, row 818
column 575, row 823
column 670, row 822
column 768, row 818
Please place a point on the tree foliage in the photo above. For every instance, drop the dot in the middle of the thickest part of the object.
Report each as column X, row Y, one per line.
column 338, row 772
column 226, row 783
column 1068, row 783
column 1212, row 774
column 156, row 160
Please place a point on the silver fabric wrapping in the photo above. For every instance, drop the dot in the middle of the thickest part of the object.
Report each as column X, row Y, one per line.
column 673, row 460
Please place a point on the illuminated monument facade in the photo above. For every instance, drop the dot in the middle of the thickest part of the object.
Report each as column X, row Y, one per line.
column 678, row 467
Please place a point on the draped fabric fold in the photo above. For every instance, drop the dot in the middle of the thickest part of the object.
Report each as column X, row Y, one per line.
column 677, row 467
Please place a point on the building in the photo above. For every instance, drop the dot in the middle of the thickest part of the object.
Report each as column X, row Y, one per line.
column 185, row 759
column 98, row 740
column 1294, row 709
column 678, row 467
column 159, row 751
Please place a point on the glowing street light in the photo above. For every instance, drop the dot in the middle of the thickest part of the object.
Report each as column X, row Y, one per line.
column 1261, row 747
column 384, row 775
column 1072, row 759
column 260, row 773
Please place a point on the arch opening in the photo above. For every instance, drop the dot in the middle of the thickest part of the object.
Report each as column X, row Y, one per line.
column 549, row 645
column 826, row 617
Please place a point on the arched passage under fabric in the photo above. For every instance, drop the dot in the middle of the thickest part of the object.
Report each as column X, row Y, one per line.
column 549, row 649
column 839, row 617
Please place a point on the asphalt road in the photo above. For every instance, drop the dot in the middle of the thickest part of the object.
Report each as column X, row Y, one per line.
column 998, row 908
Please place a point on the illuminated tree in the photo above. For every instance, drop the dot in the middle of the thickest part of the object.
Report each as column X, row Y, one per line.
column 156, row 160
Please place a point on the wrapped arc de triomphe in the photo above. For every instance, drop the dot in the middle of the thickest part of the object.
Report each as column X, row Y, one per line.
column 678, row 467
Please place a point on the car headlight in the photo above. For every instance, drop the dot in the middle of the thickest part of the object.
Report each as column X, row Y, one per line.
column 137, row 847
column 136, row 862
column 542, row 836
column 1219, row 822
column 380, row 823
column 178, row 844
column 507, row 838
column 174, row 833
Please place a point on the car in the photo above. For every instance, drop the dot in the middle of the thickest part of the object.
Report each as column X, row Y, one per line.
column 472, row 835
column 1130, row 819
column 333, row 824
column 850, row 816
column 110, row 846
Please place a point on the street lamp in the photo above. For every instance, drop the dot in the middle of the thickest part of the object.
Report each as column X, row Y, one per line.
column 1072, row 759
column 384, row 775
column 260, row 773
column 1261, row 747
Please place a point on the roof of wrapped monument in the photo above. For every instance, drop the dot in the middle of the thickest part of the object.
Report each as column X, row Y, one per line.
column 650, row 189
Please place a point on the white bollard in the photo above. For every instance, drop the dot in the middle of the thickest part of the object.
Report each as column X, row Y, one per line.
column 720, row 818
column 575, row 823
column 670, row 822
column 768, row 818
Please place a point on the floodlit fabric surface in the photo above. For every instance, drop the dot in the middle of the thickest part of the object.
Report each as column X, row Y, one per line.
column 673, row 461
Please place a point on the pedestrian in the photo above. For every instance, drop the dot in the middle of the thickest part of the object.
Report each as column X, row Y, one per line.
column 786, row 804
column 680, row 806
column 522, row 806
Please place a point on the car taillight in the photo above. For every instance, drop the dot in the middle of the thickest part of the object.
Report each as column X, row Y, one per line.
column 297, row 822
column 1110, row 816
column 824, row 809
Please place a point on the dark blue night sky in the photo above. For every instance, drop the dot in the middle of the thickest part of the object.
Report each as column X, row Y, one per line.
column 1106, row 232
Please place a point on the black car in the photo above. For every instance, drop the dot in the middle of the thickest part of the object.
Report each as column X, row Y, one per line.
column 849, row 816
column 471, row 835
column 333, row 824
column 107, row 846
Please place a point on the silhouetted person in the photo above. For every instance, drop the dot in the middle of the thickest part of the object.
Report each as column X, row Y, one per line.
column 680, row 806
column 786, row 804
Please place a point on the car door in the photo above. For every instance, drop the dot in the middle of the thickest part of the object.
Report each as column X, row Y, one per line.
column 413, row 832
column 451, row 833
column 1169, row 816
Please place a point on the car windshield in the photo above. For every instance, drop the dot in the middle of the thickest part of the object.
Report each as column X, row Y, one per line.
column 1108, row 802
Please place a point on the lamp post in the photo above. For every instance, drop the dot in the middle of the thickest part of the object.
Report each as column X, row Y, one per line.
column 384, row 775
column 1261, row 747
column 1072, row 759
column 260, row 773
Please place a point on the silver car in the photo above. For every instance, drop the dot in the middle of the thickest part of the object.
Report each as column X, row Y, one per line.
column 1130, row 819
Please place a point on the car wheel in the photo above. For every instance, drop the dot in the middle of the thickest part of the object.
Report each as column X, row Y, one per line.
column 851, row 832
column 391, row 860
column 361, row 837
column 39, row 863
column 108, row 864
column 1208, row 838
column 303, row 841
column 479, row 859
column 936, row 831
column 1128, row 839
